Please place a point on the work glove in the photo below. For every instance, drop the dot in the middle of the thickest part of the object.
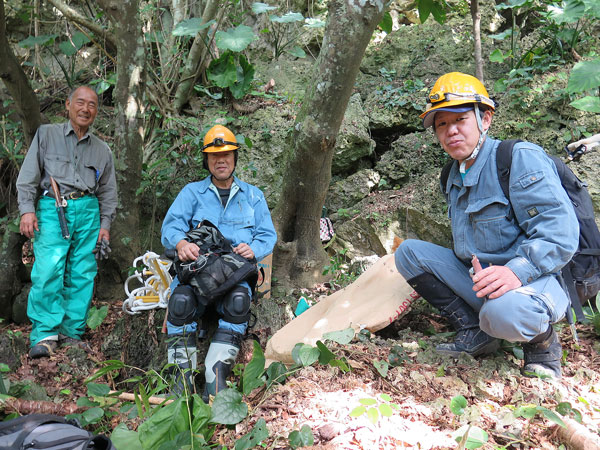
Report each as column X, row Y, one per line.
column 102, row 249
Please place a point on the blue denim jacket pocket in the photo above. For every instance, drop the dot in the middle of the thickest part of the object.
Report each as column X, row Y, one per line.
column 494, row 229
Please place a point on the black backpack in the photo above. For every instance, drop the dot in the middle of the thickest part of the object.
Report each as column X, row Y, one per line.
column 49, row 432
column 581, row 275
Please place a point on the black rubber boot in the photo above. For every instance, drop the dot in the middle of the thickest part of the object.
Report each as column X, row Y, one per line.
column 469, row 337
column 182, row 351
column 543, row 355
column 220, row 358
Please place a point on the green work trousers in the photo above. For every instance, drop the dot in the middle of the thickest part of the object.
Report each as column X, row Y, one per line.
column 62, row 278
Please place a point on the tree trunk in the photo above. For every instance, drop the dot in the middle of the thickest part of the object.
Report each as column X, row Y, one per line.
column 128, row 146
column 190, row 70
column 476, row 16
column 299, row 252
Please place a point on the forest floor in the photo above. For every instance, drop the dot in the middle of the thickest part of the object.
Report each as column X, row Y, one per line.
column 515, row 411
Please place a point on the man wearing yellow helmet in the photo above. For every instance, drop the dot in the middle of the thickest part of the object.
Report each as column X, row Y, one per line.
column 516, row 247
column 240, row 212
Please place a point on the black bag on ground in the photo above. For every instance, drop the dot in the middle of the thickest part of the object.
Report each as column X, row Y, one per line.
column 217, row 269
column 49, row 432
column 582, row 274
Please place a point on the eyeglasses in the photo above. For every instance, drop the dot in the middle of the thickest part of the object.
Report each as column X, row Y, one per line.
column 220, row 142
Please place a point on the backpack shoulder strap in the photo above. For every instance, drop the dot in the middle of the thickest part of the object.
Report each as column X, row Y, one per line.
column 444, row 174
column 504, row 162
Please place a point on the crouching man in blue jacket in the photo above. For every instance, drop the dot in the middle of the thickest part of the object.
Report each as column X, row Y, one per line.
column 240, row 212
column 520, row 244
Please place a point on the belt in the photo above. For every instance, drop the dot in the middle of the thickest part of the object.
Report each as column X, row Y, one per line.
column 71, row 195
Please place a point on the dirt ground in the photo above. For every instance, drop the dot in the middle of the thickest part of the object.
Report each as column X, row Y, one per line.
column 421, row 385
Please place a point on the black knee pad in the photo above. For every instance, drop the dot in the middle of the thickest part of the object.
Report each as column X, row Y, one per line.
column 184, row 306
column 236, row 305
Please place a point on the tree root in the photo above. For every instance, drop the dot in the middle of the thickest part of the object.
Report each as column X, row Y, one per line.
column 577, row 436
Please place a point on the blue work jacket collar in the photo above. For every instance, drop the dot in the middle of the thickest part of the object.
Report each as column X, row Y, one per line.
column 205, row 184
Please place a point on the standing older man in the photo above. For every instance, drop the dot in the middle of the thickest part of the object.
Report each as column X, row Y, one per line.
column 522, row 242
column 65, row 267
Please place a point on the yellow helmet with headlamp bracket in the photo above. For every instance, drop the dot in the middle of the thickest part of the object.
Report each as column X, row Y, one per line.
column 453, row 90
column 219, row 139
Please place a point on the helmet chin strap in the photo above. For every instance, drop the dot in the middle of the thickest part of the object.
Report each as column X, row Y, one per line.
column 482, row 134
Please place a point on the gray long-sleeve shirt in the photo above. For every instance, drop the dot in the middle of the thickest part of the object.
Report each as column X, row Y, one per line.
column 76, row 165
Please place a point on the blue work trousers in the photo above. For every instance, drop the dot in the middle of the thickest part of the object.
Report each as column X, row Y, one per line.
column 518, row 316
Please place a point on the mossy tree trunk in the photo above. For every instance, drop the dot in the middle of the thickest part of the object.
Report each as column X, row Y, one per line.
column 129, row 124
column 299, row 253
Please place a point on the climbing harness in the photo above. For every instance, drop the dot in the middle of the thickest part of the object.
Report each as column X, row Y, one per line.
column 155, row 281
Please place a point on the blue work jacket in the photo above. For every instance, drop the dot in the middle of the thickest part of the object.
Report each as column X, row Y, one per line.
column 245, row 218
column 536, row 237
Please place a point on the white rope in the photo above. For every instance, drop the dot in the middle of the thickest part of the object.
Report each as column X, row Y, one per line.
column 155, row 281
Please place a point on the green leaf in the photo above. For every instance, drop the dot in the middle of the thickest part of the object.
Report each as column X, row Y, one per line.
column 98, row 390
column 458, row 405
column 503, row 35
column 588, row 104
column 288, row 18
column 373, row 415
column 584, row 76
column 32, row 41
column 223, row 71
column 228, row 407
column 96, row 316
column 305, row 355
column 528, row 412
column 244, row 78
column 190, row 27
column 385, row 397
column 382, row 367
column 202, row 414
column 296, row 51
column 368, row 401
column 93, row 415
column 552, row 416
column 79, row 40
column 510, row 4
column 302, row 438
column 276, row 373
column 259, row 8
column 342, row 337
column 424, row 8
column 164, row 424
column 255, row 437
column 497, row 56
column 235, row 39
column 358, row 411
column 386, row 23
column 313, row 22
column 325, row 355
column 569, row 11
column 123, row 437
column 253, row 372
column 386, row 410
column 475, row 436
column 67, row 48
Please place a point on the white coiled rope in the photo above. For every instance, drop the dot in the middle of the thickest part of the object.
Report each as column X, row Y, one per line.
column 155, row 281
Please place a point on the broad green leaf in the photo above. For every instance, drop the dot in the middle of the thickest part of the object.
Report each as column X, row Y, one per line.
column 325, row 354
column 302, row 438
column 385, row 397
column 358, row 411
column 368, row 401
column 497, row 56
column 259, row 8
column 244, row 78
column 202, row 414
column 551, row 415
column 79, row 40
column 585, row 75
column 569, row 11
column 475, row 436
column 228, row 407
column 223, row 71
column 190, row 27
column 341, row 364
column 528, row 412
column 123, row 437
column 276, row 372
column 373, row 415
column 588, row 104
column 382, row 367
column 438, row 11
column 342, row 337
column 458, row 405
column 424, row 8
column 503, row 35
column 32, row 41
column 592, row 8
column 297, row 52
column 510, row 4
column 96, row 316
column 253, row 372
column 235, row 39
column 386, row 410
column 164, row 424
column 313, row 22
column 258, row 434
column 93, row 415
column 386, row 22
column 305, row 355
column 98, row 390
column 288, row 18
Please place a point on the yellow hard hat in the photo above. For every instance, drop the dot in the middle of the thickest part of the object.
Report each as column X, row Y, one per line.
column 453, row 90
column 219, row 139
